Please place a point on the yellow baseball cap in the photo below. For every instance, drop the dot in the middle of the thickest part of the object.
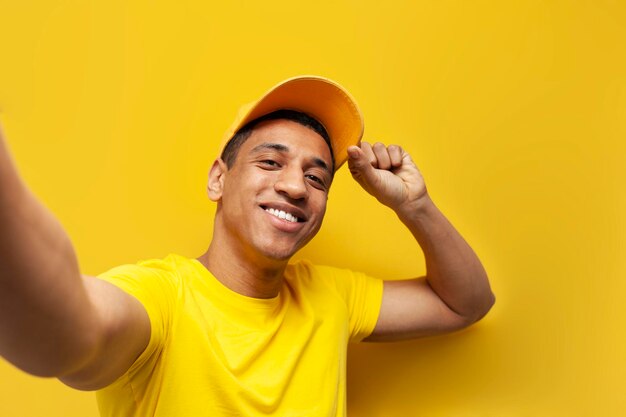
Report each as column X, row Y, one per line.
column 321, row 98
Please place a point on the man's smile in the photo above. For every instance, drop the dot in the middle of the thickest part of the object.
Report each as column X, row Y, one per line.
column 285, row 212
column 282, row 215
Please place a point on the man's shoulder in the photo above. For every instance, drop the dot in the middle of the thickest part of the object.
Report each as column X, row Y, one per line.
column 169, row 263
column 165, row 268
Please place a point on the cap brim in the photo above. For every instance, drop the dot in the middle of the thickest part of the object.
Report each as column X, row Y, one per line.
column 318, row 97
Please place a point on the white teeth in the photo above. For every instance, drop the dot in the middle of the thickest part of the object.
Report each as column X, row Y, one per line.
column 282, row 215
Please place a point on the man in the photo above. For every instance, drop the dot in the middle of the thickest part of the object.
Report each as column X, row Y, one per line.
column 238, row 331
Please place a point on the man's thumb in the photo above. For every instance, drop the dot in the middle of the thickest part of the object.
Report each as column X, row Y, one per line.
column 356, row 157
column 360, row 168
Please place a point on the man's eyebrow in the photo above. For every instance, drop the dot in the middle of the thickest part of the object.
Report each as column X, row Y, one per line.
column 275, row 146
column 319, row 162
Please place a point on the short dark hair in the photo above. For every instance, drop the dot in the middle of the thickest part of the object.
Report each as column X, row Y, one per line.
column 229, row 154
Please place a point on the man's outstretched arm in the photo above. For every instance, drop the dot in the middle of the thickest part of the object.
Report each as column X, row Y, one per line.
column 455, row 292
column 53, row 320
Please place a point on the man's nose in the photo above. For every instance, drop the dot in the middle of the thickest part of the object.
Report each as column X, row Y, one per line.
column 291, row 183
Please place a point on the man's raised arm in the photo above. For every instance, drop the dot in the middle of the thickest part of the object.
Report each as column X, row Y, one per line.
column 455, row 291
column 53, row 321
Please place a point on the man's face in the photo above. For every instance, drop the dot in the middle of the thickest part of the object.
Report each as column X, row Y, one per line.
column 274, row 196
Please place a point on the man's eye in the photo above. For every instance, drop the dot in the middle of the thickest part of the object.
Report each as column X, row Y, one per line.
column 270, row 162
column 316, row 179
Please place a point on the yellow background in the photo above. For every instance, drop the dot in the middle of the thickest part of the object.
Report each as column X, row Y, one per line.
column 514, row 111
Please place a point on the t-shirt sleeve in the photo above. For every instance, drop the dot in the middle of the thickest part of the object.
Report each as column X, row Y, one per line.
column 363, row 296
column 155, row 288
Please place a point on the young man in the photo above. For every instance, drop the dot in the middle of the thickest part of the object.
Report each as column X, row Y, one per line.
column 238, row 331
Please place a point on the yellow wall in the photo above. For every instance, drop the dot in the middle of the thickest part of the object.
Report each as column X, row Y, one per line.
column 514, row 111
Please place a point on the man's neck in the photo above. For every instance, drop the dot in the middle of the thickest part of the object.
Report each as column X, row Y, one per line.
column 257, row 278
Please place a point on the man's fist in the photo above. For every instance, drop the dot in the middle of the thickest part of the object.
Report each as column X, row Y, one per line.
column 389, row 174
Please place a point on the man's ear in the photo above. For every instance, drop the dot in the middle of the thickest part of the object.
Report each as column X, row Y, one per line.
column 215, row 185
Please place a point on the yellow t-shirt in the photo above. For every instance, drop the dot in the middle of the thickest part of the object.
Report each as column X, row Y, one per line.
column 214, row 352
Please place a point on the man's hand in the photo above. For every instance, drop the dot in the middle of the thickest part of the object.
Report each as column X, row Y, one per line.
column 389, row 174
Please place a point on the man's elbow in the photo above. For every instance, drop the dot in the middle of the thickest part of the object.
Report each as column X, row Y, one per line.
column 478, row 309
column 483, row 307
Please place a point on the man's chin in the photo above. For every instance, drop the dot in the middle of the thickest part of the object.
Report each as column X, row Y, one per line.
column 280, row 254
column 281, row 250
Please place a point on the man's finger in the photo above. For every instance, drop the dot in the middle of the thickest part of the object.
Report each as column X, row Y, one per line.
column 382, row 156
column 395, row 154
column 369, row 154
